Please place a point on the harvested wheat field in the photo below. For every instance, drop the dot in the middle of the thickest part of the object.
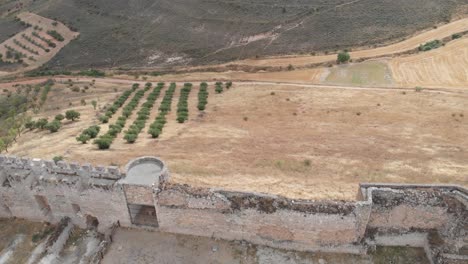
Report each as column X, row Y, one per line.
column 300, row 141
column 446, row 66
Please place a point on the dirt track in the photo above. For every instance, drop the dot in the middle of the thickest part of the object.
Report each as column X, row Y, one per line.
column 408, row 44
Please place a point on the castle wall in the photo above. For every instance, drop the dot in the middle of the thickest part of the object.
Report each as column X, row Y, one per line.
column 261, row 219
column 44, row 191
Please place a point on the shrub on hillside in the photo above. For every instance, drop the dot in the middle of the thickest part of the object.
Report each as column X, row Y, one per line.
column 41, row 123
column 59, row 117
column 83, row 138
column 343, row 57
column 104, row 141
column 53, row 126
column 72, row 115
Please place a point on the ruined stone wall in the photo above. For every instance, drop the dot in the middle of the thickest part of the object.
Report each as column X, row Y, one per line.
column 435, row 217
column 438, row 212
column 44, row 191
column 262, row 219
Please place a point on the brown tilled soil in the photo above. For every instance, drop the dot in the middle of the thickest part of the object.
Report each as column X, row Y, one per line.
column 292, row 140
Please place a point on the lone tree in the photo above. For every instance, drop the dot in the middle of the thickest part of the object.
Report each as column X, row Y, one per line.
column 72, row 115
column 343, row 57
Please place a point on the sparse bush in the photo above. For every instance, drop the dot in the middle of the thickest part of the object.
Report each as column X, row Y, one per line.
column 343, row 57
column 104, row 141
column 218, row 87
column 92, row 131
column 59, row 117
column 56, row 159
column 55, row 35
column 456, row 36
column 418, row 89
column 30, row 125
column 41, row 123
column 83, row 138
column 104, row 119
column 430, row 45
column 72, row 115
column 53, row 126
column 130, row 137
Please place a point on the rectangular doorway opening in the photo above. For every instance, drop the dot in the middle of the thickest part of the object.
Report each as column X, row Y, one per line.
column 43, row 204
column 143, row 215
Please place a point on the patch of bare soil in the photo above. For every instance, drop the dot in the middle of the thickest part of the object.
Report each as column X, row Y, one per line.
column 141, row 247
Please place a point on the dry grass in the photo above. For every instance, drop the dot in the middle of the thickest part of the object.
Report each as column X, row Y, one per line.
column 301, row 142
column 446, row 66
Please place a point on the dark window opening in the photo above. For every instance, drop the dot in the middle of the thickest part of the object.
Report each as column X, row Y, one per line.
column 144, row 215
column 91, row 222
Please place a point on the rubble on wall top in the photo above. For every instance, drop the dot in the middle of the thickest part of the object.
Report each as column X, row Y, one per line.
column 62, row 167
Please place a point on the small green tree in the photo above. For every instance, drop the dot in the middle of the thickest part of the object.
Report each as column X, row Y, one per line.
column 72, row 115
column 104, row 119
column 59, row 117
column 154, row 132
column 92, row 131
column 343, row 57
column 130, row 137
column 30, row 125
column 94, row 103
column 83, row 138
column 53, row 126
column 103, row 142
column 41, row 123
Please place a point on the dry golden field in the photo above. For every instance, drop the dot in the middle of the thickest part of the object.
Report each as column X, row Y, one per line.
column 447, row 66
column 301, row 141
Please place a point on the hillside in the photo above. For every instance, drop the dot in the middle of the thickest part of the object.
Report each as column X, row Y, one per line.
column 143, row 33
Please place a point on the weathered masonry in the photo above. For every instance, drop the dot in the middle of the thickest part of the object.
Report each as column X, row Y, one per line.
column 430, row 216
